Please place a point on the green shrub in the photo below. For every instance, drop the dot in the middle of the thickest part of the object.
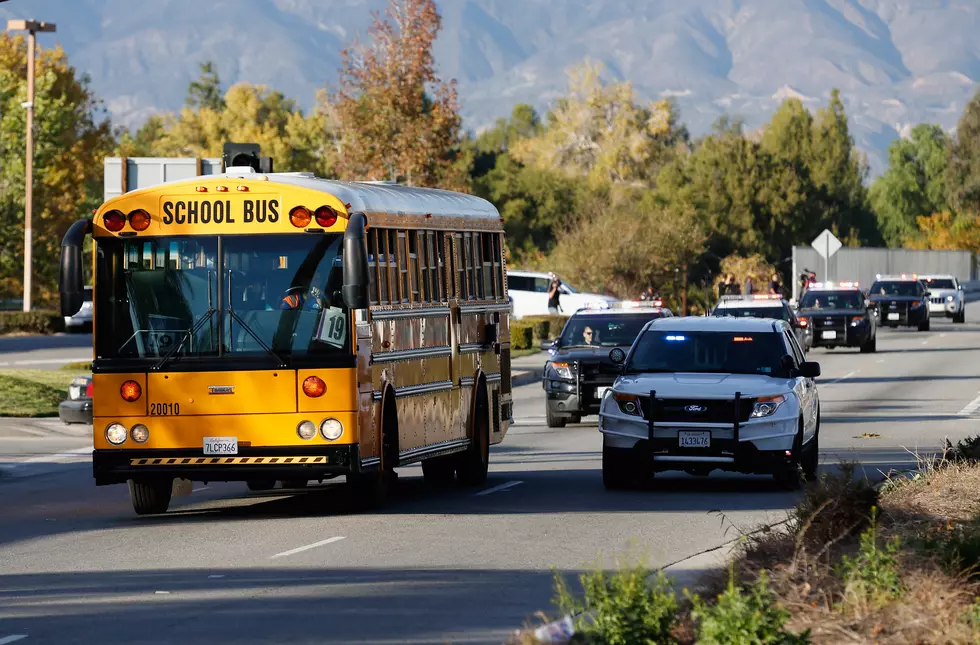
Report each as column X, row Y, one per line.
column 621, row 607
column 871, row 576
column 957, row 547
column 546, row 327
column 31, row 322
column 521, row 335
column 744, row 617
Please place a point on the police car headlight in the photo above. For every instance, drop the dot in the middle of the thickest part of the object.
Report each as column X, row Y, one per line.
column 628, row 404
column 766, row 406
column 562, row 370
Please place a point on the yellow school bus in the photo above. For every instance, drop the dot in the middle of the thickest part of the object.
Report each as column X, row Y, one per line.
column 280, row 327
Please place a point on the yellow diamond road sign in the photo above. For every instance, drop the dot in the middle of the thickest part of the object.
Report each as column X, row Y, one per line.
column 826, row 244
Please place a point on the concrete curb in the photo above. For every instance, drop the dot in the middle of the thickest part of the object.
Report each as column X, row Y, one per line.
column 525, row 377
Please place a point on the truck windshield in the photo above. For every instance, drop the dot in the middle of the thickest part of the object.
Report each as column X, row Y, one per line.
column 712, row 352
column 275, row 296
column 940, row 283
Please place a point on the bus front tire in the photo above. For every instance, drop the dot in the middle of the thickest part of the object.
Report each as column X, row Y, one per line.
column 439, row 471
column 151, row 497
column 370, row 490
column 474, row 463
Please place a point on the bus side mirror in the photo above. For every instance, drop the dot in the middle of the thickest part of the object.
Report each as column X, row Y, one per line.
column 356, row 281
column 70, row 284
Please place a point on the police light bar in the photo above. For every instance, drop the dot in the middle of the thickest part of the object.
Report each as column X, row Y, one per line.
column 767, row 296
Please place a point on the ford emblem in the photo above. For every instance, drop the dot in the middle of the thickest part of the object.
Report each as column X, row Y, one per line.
column 695, row 408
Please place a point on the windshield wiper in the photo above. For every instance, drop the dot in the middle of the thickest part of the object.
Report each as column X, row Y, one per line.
column 205, row 317
column 251, row 332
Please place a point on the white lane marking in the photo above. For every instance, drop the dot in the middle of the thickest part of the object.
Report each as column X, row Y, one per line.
column 198, row 490
column 880, row 360
column 943, row 335
column 925, row 342
column 161, row 593
column 970, row 408
column 497, row 489
column 13, row 638
column 300, row 549
column 216, row 576
column 844, row 378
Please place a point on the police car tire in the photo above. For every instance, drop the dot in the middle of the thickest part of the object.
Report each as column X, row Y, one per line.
column 925, row 324
column 554, row 421
column 960, row 318
column 619, row 472
column 151, row 497
column 871, row 346
column 811, row 457
column 576, row 418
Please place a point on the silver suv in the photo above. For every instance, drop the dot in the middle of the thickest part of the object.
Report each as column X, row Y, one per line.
column 946, row 297
column 700, row 394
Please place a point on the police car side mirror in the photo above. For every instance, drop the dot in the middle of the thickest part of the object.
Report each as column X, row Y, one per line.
column 617, row 356
column 809, row 369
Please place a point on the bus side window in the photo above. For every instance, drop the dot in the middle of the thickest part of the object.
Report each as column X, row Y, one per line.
column 383, row 255
column 489, row 282
column 393, row 266
column 402, row 264
column 413, row 263
column 468, row 265
column 478, row 290
column 498, row 264
column 433, row 240
column 372, row 246
column 459, row 264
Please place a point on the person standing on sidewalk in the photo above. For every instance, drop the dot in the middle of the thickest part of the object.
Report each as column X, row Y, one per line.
column 554, row 302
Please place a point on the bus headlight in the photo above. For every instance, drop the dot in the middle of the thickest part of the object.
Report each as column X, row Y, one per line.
column 116, row 434
column 306, row 430
column 331, row 429
column 140, row 433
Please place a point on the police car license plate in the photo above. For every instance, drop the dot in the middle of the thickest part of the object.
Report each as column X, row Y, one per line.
column 600, row 392
column 694, row 439
column 829, row 334
column 892, row 316
column 221, row 445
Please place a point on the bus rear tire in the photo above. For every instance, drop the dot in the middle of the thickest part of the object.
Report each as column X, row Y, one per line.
column 473, row 464
column 151, row 497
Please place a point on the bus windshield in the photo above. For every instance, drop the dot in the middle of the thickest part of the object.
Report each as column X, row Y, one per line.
column 275, row 296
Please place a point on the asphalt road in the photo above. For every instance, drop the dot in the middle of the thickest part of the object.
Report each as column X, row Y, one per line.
column 460, row 566
column 44, row 352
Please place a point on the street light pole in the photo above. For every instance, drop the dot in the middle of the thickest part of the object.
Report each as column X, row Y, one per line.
column 31, row 27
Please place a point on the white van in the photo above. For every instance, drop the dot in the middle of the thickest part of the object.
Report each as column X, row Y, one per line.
column 529, row 293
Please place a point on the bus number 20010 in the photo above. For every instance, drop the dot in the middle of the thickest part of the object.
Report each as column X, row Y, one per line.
column 164, row 409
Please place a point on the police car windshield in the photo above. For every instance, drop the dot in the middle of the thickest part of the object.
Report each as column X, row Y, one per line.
column 779, row 313
column 831, row 300
column 940, row 283
column 605, row 330
column 704, row 351
column 897, row 288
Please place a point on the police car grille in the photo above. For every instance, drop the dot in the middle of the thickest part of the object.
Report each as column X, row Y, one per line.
column 697, row 410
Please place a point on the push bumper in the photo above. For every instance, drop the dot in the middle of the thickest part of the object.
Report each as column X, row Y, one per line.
column 76, row 411
column 118, row 466
column 567, row 399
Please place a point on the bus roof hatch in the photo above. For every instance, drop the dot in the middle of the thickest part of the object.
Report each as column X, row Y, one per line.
column 236, row 155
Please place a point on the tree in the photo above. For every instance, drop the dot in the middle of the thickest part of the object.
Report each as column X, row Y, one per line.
column 963, row 172
column 626, row 242
column 391, row 126
column 600, row 132
column 206, row 91
column 947, row 231
column 914, row 185
column 72, row 135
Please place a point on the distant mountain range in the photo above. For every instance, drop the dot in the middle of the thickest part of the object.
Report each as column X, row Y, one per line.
column 896, row 62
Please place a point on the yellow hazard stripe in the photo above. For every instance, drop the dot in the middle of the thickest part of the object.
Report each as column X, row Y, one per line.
column 226, row 461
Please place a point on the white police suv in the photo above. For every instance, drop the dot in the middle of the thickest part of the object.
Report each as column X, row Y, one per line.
column 699, row 394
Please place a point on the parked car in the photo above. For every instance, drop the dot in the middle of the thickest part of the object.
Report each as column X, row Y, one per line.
column 83, row 319
column 529, row 292
column 699, row 394
column 78, row 407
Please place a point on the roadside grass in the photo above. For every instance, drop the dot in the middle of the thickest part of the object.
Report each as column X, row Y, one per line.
column 33, row 393
column 855, row 564
column 518, row 353
column 80, row 366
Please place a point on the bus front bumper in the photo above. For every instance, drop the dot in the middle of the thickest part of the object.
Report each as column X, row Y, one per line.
column 320, row 462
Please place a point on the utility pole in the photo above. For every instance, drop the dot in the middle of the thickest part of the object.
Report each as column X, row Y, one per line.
column 31, row 27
